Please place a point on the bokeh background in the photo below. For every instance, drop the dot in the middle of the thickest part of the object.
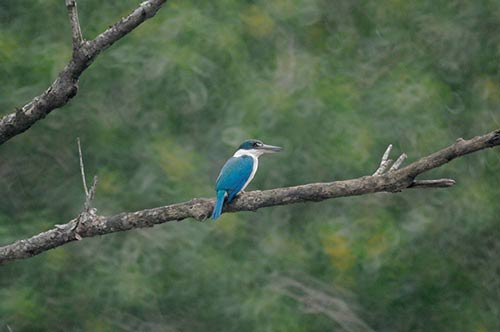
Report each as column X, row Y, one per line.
column 334, row 82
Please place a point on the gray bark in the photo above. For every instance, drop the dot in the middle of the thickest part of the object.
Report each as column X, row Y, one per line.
column 394, row 180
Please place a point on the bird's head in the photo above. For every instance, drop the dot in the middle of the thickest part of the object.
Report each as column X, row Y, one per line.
column 256, row 147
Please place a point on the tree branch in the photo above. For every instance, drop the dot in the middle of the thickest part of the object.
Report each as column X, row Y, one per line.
column 75, row 24
column 439, row 183
column 65, row 86
column 201, row 208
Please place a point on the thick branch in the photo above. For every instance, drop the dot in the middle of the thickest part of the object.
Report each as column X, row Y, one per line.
column 201, row 208
column 65, row 86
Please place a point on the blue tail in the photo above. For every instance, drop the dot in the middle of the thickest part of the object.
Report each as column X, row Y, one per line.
column 218, row 204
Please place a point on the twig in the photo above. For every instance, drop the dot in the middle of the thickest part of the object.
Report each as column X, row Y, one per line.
column 82, row 169
column 75, row 24
column 398, row 162
column 384, row 163
column 88, row 213
column 438, row 183
column 90, row 197
column 201, row 208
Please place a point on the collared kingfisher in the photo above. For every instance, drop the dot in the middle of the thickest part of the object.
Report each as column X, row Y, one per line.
column 238, row 171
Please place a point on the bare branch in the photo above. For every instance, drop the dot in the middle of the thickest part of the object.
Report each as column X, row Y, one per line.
column 75, row 24
column 146, row 10
column 385, row 162
column 201, row 208
column 398, row 162
column 65, row 86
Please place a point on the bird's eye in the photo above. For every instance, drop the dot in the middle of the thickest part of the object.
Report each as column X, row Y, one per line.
column 256, row 144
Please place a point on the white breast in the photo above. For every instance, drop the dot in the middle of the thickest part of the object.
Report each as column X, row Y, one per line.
column 255, row 156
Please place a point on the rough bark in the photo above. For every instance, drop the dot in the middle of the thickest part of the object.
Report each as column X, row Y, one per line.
column 65, row 86
column 394, row 180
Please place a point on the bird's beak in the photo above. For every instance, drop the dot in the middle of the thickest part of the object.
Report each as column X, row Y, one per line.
column 270, row 148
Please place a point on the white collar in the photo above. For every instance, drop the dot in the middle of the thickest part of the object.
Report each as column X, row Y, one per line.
column 254, row 153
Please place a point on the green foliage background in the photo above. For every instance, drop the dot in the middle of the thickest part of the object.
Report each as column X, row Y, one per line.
column 334, row 82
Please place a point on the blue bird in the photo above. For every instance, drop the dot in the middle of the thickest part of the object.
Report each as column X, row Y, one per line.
column 238, row 171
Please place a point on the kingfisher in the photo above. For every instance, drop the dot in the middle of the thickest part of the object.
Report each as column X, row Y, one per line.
column 238, row 171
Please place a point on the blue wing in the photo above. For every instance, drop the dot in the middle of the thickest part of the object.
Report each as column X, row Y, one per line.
column 233, row 175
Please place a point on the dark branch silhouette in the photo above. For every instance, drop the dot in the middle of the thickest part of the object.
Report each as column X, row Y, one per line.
column 392, row 180
column 65, row 86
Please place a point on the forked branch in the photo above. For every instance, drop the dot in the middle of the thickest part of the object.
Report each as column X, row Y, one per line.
column 386, row 162
column 394, row 180
column 65, row 86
